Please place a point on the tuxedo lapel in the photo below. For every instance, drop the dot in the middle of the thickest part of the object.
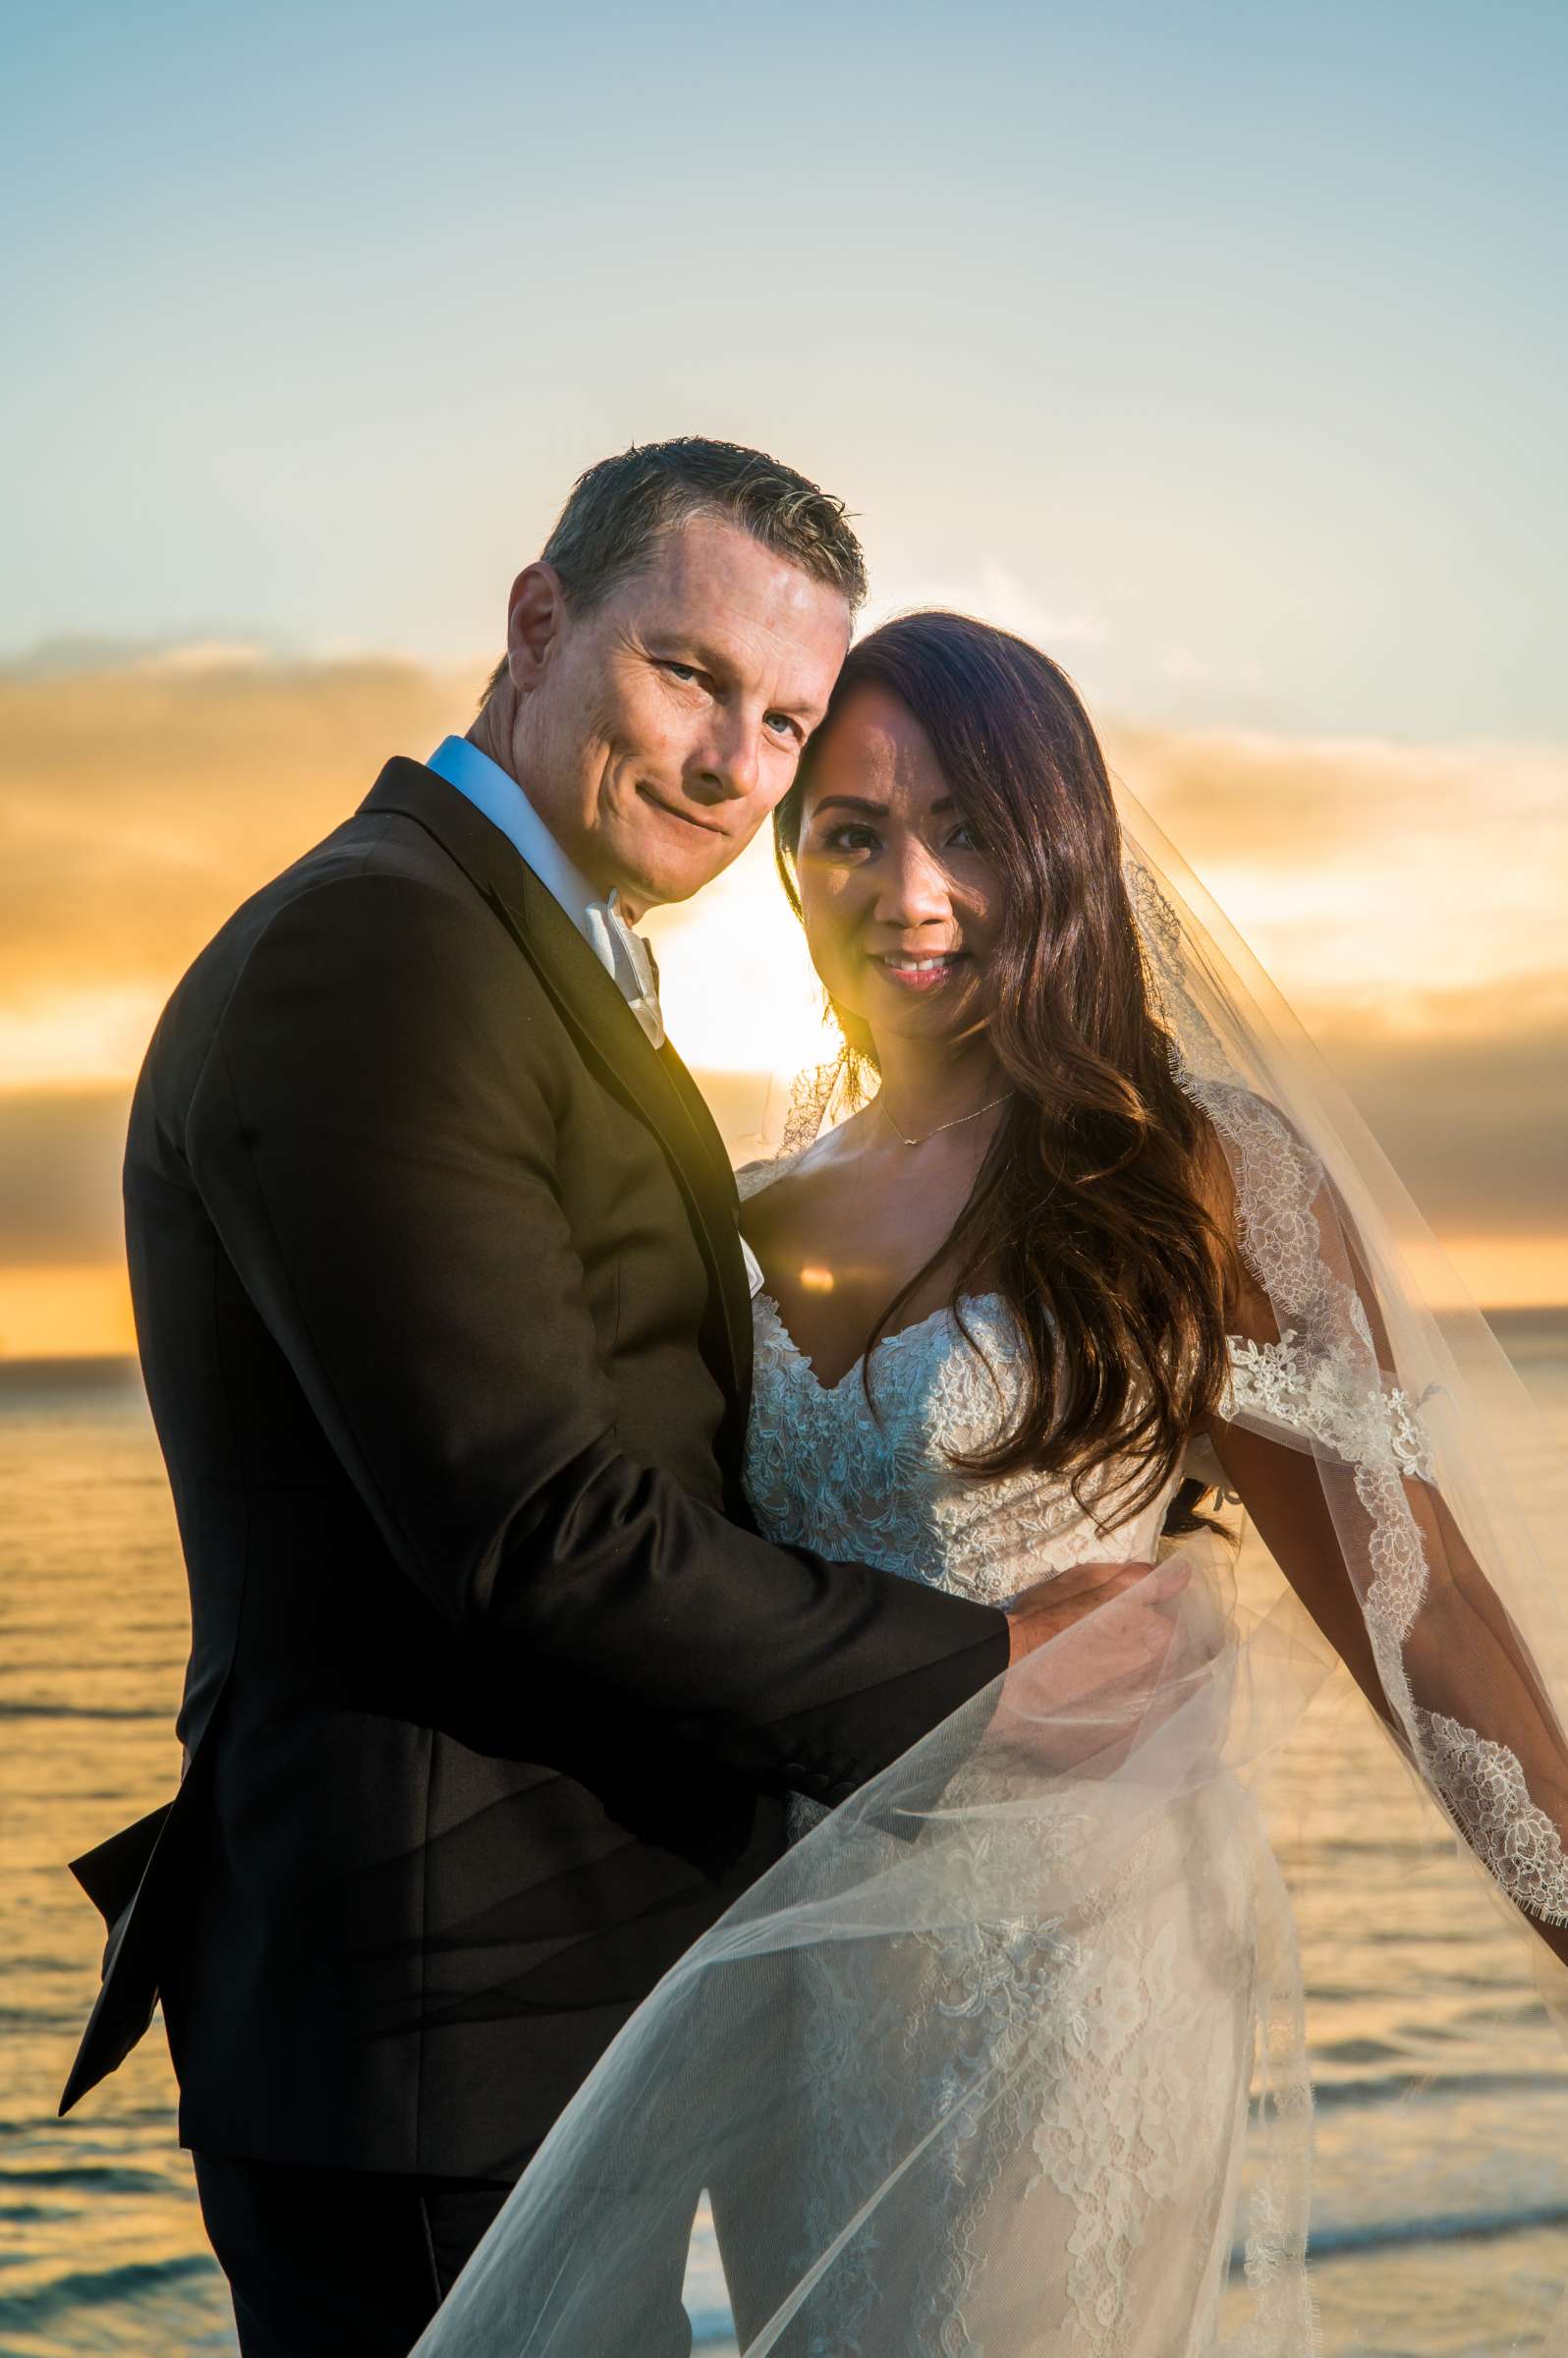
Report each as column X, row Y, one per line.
column 609, row 1035
column 735, row 1286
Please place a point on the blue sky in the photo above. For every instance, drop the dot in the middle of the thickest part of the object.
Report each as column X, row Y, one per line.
column 1223, row 346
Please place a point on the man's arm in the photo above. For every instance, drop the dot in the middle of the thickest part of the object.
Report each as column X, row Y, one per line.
column 374, row 1134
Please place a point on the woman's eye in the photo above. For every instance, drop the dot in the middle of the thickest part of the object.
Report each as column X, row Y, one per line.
column 966, row 839
column 852, row 836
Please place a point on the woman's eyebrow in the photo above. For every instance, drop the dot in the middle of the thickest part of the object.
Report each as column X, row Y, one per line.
column 854, row 802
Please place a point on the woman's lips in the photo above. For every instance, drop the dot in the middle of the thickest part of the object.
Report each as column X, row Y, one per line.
column 910, row 969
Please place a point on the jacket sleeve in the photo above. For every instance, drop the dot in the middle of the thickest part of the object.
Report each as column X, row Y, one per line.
column 373, row 1135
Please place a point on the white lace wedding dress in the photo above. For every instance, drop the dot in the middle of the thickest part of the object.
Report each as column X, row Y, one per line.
column 1086, row 2210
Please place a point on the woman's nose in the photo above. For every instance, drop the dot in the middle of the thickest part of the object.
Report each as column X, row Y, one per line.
column 913, row 886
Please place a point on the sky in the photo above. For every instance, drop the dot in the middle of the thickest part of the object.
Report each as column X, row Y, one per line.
column 1221, row 350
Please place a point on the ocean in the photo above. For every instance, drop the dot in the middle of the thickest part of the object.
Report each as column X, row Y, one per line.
column 1433, row 2057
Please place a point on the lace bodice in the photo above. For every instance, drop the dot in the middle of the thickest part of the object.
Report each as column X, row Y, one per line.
column 826, row 1469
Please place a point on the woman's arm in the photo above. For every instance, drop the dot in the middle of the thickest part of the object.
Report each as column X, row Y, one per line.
column 1485, row 1729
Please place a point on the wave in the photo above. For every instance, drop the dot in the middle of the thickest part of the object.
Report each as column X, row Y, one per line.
column 81, row 1710
column 1416, row 2085
column 102, row 2177
column 1394, row 2234
column 86, row 2288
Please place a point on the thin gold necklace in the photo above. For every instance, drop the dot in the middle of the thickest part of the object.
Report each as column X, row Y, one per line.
column 941, row 1126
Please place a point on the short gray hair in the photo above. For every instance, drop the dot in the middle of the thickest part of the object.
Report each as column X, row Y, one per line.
column 619, row 508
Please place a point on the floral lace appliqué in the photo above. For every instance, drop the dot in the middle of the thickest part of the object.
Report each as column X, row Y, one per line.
column 1328, row 1402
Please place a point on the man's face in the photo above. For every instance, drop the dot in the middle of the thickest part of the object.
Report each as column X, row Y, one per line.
column 655, row 733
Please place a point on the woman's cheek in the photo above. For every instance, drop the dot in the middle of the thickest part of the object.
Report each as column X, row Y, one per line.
column 828, row 928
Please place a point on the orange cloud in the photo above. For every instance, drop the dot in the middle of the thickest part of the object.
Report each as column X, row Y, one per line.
column 138, row 805
column 1406, row 899
column 66, row 1313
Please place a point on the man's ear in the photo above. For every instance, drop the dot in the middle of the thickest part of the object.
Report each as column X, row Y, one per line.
column 534, row 618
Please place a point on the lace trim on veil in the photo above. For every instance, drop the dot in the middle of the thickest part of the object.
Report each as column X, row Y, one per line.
column 1323, row 1378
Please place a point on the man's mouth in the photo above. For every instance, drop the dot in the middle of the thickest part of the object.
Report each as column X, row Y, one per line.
column 705, row 826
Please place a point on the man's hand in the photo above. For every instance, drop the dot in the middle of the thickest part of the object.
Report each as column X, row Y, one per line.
column 1107, row 1681
column 1136, row 1635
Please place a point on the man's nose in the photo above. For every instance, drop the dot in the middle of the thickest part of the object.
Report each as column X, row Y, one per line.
column 913, row 886
column 728, row 765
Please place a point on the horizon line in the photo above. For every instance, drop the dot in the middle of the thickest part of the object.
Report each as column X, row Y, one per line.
column 58, row 1362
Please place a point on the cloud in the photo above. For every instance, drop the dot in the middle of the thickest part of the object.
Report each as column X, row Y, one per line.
column 1406, row 899
column 1460, row 1108
column 138, row 804
column 1179, row 663
column 204, row 654
column 1359, row 869
column 1463, row 1103
column 995, row 595
column 59, row 1156
column 1330, row 799
column 76, row 655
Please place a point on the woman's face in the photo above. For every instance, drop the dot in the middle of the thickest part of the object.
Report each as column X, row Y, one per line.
column 902, row 906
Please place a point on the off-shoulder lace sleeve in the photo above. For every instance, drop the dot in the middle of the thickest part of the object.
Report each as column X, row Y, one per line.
column 1309, row 1393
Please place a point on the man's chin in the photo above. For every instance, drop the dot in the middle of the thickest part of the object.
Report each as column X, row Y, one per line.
column 658, row 883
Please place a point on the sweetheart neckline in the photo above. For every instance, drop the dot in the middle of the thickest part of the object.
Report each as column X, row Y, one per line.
column 943, row 1310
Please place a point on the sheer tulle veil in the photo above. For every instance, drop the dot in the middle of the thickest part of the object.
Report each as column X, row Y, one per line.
column 818, row 2063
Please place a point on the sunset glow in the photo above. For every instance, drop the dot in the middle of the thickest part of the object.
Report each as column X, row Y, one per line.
column 1195, row 361
column 1405, row 898
column 71, row 1313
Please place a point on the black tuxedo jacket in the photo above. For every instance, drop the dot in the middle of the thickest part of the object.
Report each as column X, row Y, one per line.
column 494, row 1692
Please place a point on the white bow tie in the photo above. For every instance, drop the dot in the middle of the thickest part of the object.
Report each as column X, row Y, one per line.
column 629, row 962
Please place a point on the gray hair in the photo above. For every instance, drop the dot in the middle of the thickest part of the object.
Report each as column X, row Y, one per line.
column 622, row 507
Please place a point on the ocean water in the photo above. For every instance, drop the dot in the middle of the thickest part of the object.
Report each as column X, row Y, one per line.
column 1434, row 2066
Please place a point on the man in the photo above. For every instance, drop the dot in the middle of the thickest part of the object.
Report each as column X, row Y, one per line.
column 494, row 1695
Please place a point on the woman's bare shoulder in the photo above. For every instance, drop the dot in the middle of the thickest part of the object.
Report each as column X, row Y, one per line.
column 775, row 1198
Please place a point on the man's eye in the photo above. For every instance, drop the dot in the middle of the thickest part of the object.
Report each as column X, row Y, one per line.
column 681, row 671
column 783, row 724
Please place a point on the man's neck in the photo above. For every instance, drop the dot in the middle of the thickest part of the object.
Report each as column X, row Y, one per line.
column 494, row 734
column 491, row 734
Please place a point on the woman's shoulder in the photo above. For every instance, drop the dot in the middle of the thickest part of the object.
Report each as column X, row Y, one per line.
column 787, row 1180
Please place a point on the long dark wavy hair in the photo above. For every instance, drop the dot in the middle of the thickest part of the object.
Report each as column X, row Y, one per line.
column 1090, row 1212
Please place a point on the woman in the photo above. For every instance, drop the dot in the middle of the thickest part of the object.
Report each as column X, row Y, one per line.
column 968, row 2071
column 1028, row 1194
